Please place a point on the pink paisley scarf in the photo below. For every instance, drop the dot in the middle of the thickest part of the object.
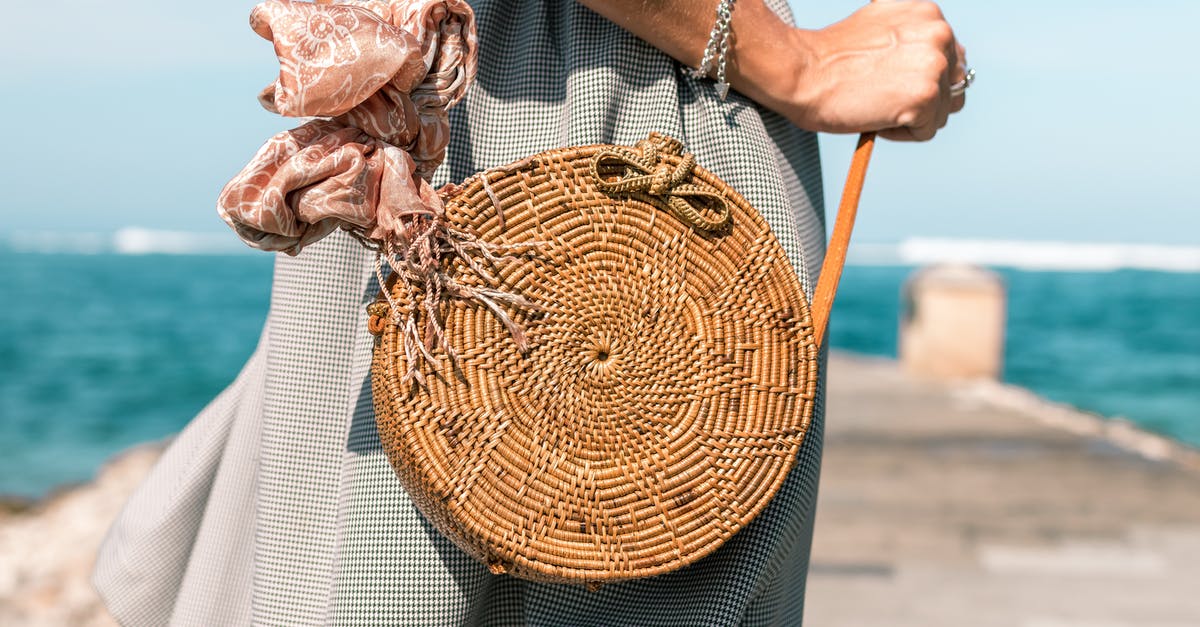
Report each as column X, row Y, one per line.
column 383, row 75
column 379, row 76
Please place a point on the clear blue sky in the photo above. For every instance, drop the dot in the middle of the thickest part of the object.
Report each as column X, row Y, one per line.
column 1082, row 125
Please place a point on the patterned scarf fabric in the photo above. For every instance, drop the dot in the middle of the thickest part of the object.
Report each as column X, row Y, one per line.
column 379, row 76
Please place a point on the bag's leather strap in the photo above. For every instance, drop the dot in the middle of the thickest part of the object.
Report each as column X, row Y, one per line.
column 835, row 254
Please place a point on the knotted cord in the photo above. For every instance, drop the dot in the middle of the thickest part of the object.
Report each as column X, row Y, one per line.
column 646, row 177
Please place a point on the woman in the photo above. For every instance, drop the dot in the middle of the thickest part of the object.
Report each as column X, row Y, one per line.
column 276, row 505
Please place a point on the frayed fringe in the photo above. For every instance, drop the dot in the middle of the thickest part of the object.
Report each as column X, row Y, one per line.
column 418, row 256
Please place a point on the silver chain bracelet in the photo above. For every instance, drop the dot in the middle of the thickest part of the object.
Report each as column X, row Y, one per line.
column 717, row 49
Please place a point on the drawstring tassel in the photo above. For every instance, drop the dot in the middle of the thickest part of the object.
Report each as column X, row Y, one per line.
column 418, row 255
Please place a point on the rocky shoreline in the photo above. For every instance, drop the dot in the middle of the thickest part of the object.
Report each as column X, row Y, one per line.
column 47, row 547
column 893, row 445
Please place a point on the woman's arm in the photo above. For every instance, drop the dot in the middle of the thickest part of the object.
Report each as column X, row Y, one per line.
column 888, row 67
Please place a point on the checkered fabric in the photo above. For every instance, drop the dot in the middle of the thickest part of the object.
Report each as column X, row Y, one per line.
column 277, row 506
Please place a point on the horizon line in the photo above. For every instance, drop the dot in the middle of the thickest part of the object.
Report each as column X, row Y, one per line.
column 911, row 251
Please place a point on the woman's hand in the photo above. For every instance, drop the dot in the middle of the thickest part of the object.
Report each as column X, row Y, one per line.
column 887, row 68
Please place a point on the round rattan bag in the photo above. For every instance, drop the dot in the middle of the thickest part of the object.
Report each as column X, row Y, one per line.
column 665, row 390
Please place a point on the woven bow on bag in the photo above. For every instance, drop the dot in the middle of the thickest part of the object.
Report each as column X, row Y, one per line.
column 593, row 364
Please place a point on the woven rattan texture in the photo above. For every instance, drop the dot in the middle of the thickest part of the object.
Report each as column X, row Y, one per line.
column 668, row 387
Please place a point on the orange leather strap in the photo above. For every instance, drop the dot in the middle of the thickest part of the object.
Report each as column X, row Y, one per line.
column 835, row 254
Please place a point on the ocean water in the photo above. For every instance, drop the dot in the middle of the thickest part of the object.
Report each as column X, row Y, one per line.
column 100, row 352
column 1122, row 343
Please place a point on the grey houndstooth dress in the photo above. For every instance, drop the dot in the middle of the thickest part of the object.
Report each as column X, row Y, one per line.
column 277, row 506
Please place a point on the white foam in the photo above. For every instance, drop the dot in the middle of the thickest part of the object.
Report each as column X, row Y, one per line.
column 139, row 241
column 126, row 241
column 1090, row 257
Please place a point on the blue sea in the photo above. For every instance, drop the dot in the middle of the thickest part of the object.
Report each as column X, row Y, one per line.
column 103, row 351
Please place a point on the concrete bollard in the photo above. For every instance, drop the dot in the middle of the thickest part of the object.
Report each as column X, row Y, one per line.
column 952, row 323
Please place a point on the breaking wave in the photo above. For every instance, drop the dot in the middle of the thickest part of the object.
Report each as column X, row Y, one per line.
column 1024, row 255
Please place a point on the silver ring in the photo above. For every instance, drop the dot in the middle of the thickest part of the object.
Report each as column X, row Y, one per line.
column 960, row 87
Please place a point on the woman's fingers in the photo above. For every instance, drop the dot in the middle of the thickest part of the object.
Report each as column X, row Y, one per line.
column 960, row 74
column 901, row 134
column 946, row 67
column 887, row 67
column 958, row 102
column 934, row 103
column 935, row 109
